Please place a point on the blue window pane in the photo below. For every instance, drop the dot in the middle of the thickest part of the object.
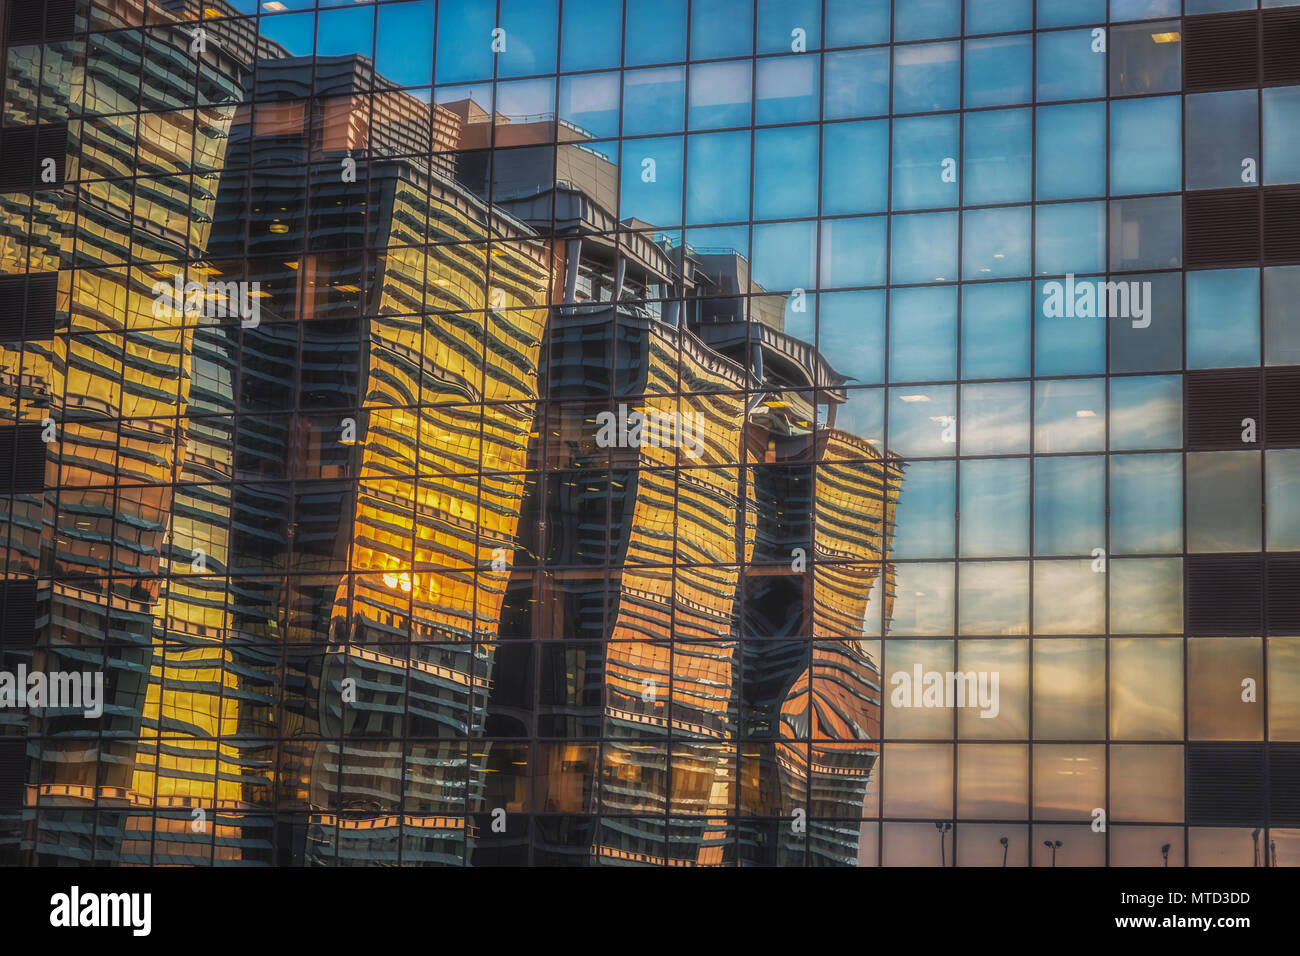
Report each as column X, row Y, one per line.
column 1281, row 317
column 785, row 255
column 403, row 29
column 1068, row 68
column 295, row 32
column 923, row 334
column 1068, row 13
column 721, row 28
column 1223, row 318
column 995, row 418
column 1146, row 504
column 787, row 90
column 530, row 39
column 855, row 164
column 720, row 95
column 926, row 19
column 856, row 22
column 995, row 507
column 917, row 421
column 923, row 248
column 863, row 415
column 651, row 183
column 590, row 102
column 998, row 71
column 464, row 41
column 1069, row 505
column 1148, row 335
column 344, row 32
column 925, row 150
column 857, row 84
column 995, row 242
column 1071, row 157
column 655, row 32
column 1065, row 344
column 998, row 16
column 785, row 173
column 1070, row 415
column 997, row 157
column 1221, row 132
column 927, row 524
column 591, row 34
column 995, row 330
column 717, row 177
column 926, row 77
column 654, row 101
column 1143, row 9
column 1282, row 134
column 851, row 327
column 1146, row 412
column 1146, row 145
column 779, row 19
column 1070, row 238
column 853, row 252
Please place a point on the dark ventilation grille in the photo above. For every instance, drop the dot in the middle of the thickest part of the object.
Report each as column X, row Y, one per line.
column 27, row 306
column 30, row 21
column 1225, row 785
column 1283, row 594
column 24, row 21
column 23, row 149
column 22, row 460
column 1221, row 228
column 1284, row 785
column 13, row 304
column 1220, row 52
column 13, row 772
column 1223, row 594
column 17, row 614
column 60, row 19
column 1282, row 47
column 1282, row 406
column 1281, row 225
column 1215, row 404
column 18, row 167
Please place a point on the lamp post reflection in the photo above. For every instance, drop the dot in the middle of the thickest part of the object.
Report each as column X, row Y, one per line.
column 943, row 828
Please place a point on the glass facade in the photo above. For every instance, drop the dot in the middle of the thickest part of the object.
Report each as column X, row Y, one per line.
column 650, row 432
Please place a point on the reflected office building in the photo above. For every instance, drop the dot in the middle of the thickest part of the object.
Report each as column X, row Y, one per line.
column 665, row 556
column 402, row 321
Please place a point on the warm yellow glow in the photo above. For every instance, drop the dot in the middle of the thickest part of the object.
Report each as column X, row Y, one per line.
column 1166, row 37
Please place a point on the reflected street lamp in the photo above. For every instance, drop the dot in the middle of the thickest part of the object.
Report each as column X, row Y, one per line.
column 943, row 828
